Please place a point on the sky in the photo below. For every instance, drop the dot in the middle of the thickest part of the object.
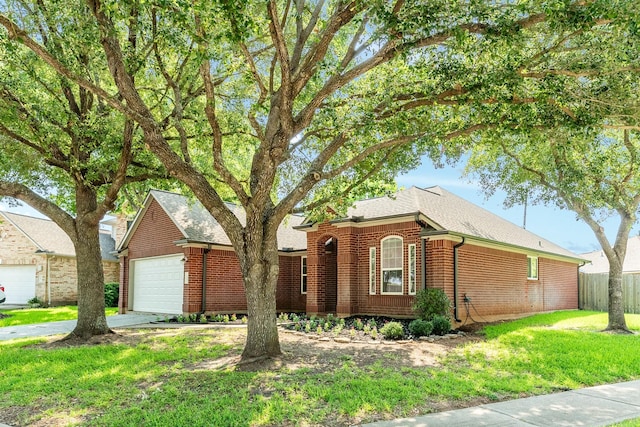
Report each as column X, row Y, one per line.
column 555, row 225
column 558, row 226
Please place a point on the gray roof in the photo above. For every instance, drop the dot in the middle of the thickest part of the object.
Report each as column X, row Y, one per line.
column 600, row 263
column 198, row 225
column 48, row 237
column 447, row 212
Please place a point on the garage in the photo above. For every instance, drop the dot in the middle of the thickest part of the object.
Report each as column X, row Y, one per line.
column 158, row 284
column 19, row 283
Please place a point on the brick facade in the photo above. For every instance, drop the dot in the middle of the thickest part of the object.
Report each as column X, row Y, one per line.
column 492, row 277
column 56, row 276
column 156, row 235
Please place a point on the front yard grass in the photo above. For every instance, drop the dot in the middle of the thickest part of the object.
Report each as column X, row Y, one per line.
column 188, row 376
column 27, row 316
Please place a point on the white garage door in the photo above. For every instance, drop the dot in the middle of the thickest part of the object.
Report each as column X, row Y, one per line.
column 157, row 284
column 19, row 283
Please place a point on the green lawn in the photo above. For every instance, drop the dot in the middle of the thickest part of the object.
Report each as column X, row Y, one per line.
column 28, row 316
column 163, row 379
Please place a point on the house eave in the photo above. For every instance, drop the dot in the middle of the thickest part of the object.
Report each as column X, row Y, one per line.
column 361, row 222
column 494, row 244
column 188, row 243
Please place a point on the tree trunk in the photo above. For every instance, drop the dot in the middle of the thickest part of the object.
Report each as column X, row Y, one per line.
column 91, row 317
column 617, row 321
column 260, row 281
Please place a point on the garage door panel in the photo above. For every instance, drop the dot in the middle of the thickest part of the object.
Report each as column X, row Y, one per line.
column 19, row 282
column 158, row 284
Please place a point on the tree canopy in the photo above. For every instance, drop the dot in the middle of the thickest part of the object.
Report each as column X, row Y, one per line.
column 289, row 104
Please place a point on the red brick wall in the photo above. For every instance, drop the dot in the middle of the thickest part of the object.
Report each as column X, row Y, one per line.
column 495, row 280
column 155, row 235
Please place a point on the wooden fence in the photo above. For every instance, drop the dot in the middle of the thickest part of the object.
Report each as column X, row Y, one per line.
column 594, row 292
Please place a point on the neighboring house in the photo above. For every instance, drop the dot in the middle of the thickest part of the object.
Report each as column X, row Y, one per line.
column 370, row 262
column 594, row 279
column 37, row 259
column 598, row 262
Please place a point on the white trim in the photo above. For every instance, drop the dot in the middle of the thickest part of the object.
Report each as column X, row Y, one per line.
column 383, row 269
column 372, row 270
column 530, row 259
column 303, row 274
column 412, row 269
column 410, row 217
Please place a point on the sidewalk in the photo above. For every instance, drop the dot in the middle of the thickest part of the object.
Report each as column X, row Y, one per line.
column 595, row 406
column 66, row 326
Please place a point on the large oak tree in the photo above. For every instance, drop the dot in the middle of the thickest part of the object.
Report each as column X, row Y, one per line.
column 322, row 96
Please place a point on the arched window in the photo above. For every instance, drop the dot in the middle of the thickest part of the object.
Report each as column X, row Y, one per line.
column 391, row 271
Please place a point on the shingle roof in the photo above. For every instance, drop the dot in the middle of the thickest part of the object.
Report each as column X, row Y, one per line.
column 600, row 263
column 48, row 237
column 197, row 224
column 448, row 212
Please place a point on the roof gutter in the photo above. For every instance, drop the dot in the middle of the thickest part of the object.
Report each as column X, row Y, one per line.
column 455, row 279
column 525, row 249
column 423, row 254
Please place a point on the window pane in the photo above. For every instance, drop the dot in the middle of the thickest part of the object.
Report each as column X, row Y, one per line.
column 372, row 270
column 392, row 281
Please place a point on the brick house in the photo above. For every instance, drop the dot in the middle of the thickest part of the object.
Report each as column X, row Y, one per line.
column 176, row 259
column 37, row 259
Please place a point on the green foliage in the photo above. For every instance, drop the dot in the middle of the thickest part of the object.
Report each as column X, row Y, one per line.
column 111, row 294
column 441, row 325
column 420, row 328
column 35, row 302
column 431, row 302
column 392, row 331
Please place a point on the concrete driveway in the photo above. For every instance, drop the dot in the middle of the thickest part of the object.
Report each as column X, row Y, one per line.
column 66, row 326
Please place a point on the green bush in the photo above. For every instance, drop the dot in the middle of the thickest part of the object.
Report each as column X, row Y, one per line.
column 441, row 325
column 420, row 328
column 392, row 331
column 111, row 294
column 431, row 302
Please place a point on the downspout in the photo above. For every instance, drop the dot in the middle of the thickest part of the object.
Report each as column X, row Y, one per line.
column 49, row 258
column 204, row 278
column 578, row 272
column 455, row 280
column 423, row 254
column 423, row 267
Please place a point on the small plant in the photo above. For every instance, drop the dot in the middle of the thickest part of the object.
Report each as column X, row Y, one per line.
column 244, row 319
column 307, row 327
column 337, row 330
column 182, row 319
column 341, row 322
column 392, row 331
column 225, row 318
column 283, row 317
column 35, row 302
column 331, row 318
column 203, row 318
column 111, row 294
column 297, row 327
column 234, row 317
column 327, row 326
column 352, row 333
column 358, row 324
column 431, row 302
column 366, row 329
column 420, row 328
column 193, row 317
column 295, row 318
column 441, row 325
column 372, row 323
column 319, row 330
column 374, row 332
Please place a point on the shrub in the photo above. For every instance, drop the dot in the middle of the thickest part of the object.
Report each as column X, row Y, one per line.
column 35, row 302
column 420, row 328
column 431, row 302
column 111, row 294
column 441, row 325
column 392, row 331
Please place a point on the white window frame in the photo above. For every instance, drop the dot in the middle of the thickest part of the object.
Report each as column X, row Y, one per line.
column 531, row 274
column 411, row 275
column 372, row 271
column 384, row 269
column 303, row 275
